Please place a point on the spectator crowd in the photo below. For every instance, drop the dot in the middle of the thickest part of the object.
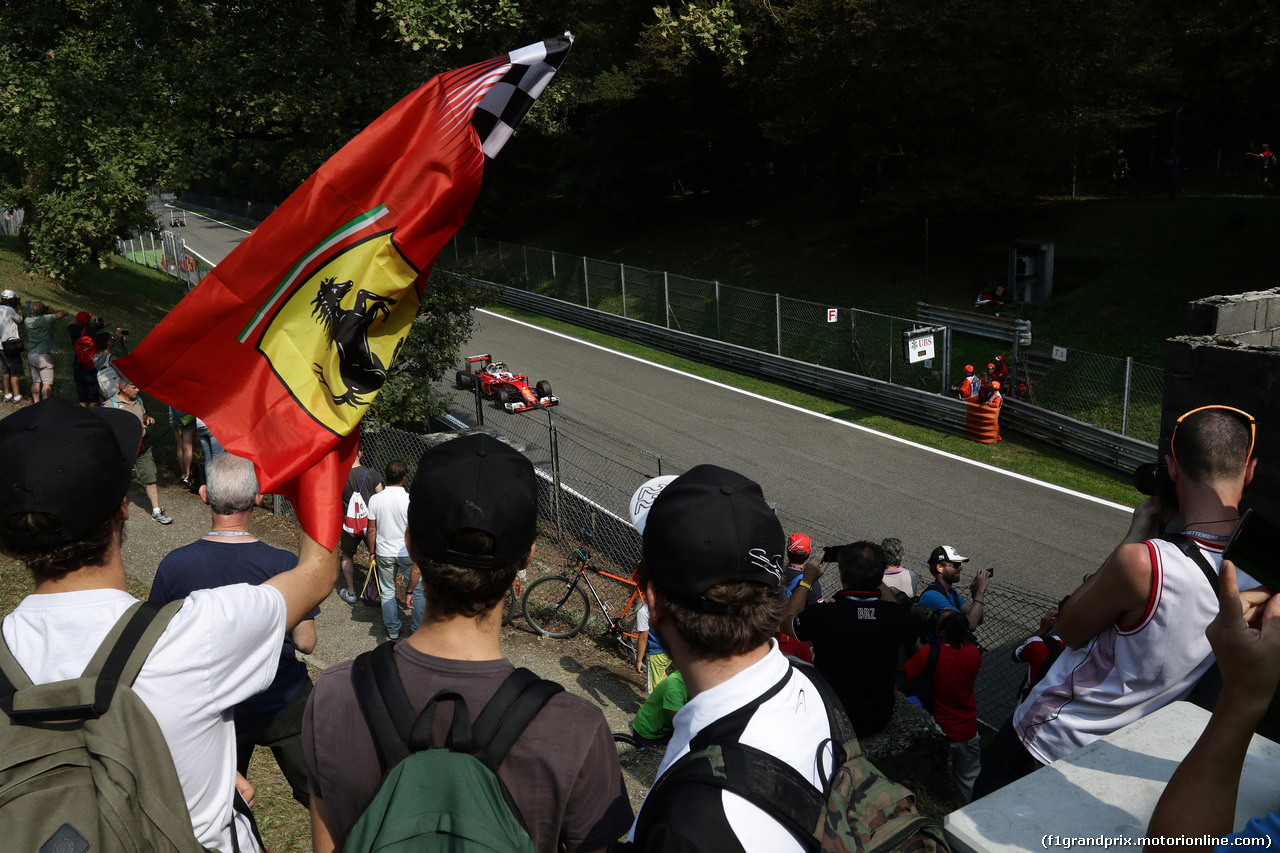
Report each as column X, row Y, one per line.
column 759, row 684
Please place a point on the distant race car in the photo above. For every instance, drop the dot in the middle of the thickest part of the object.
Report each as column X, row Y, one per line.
column 511, row 389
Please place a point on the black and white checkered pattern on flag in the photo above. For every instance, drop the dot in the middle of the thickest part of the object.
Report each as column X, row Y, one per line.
column 505, row 105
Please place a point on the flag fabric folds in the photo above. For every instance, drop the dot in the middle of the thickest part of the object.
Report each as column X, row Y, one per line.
column 283, row 346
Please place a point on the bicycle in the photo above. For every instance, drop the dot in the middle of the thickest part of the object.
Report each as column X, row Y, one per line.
column 511, row 604
column 558, row 606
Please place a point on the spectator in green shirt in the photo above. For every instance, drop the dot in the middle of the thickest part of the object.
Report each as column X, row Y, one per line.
column 653, row 724
column 40, row 349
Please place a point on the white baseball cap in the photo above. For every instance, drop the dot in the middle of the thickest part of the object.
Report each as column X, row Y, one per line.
column 643, row 499
column 8, row 294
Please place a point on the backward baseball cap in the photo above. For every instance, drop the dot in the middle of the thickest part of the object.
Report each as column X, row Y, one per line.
column 474, row 482
column 67, row 461
column 707, row 527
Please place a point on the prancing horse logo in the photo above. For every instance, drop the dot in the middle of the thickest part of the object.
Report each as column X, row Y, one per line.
column 362, row 372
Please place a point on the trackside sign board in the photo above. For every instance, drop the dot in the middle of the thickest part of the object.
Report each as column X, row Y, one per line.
column 919, row 345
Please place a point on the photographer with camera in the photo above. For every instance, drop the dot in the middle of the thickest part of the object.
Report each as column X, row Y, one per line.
column 946, row 563
column 1135, row 629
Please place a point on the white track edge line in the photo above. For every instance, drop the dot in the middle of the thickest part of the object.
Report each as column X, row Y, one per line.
column 1023, row 477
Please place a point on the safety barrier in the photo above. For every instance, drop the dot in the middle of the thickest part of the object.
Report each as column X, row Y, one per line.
column 1011, row 329
column 949, row 415
column 1111, row 449
column 982, row 424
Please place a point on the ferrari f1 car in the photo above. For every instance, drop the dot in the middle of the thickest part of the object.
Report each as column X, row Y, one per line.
column 511, row 389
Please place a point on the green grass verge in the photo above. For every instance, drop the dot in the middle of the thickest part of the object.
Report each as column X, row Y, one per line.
column 1018, row 454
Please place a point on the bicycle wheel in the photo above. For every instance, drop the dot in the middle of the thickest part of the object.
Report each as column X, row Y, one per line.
column 555, row 607
column 627, row 747
column 509, row 606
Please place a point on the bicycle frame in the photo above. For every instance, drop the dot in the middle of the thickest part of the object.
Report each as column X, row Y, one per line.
column 615, row 622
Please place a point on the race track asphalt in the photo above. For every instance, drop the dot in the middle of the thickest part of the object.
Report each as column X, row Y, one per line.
column 858, row 482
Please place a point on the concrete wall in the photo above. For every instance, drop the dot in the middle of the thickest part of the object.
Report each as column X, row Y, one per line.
column 1231, row 356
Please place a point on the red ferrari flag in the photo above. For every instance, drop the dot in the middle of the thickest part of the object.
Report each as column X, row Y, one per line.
column 283, row 346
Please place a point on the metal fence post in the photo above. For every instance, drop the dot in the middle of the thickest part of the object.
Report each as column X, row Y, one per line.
column 622, row 276
column 475, row 386
column 1124, row 414
column 586, row 285
column 555, row 473
column 526, row 266
column 457, row 261
column 152, row 235
column 719, row 334
column 277, row 505
column 666, row 298
column 946, row 360
column 777, row 313
column 555, row 288
column 475, row 241
column 890, row 349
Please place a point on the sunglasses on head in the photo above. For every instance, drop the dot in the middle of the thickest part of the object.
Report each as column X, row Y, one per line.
column 1243, row 416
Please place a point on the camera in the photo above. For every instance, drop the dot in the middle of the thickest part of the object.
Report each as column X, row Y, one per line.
column 1153, row 479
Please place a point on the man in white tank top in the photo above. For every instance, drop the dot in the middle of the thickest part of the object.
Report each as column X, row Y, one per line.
column 1134, row 630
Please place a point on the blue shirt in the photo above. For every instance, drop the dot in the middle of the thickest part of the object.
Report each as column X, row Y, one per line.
column 1258, row 827
column 205, row 565
column 936, row 600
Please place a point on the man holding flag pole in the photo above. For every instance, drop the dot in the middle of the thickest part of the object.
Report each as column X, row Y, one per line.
column 305, row 318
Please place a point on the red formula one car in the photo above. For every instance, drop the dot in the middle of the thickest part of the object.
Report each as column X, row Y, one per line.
column 511, row 389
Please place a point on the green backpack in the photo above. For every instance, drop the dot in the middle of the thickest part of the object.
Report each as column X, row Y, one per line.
column 83, row 763
column 449, row 797
column 860, row 810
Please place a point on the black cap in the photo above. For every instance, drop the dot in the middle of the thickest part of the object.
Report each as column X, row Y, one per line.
column 67, row 461
column 474, row 482
column 710, row 526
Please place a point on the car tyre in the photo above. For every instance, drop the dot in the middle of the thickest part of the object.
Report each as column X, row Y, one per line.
column 465, row 380
column 544, row 389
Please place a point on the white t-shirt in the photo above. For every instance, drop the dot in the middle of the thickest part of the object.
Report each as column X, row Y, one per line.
column 390, row 509
column 790, row 726
column 8, row 323
column 221, row 648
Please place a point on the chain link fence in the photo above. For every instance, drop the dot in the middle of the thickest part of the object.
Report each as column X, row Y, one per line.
column 848, row 339
column 1117, row 394
column 169, row 254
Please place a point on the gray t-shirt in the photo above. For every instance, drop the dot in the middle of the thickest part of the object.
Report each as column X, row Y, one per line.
column 40, row 334
column 563, row 772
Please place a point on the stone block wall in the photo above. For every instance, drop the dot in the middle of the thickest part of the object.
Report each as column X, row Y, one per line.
column 1231, row 356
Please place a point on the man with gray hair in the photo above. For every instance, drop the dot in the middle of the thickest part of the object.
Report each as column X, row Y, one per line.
column 230, row 554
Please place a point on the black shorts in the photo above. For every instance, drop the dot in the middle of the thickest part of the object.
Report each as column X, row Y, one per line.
column 12, row 364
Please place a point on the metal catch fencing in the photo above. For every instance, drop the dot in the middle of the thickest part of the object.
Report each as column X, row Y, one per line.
column 167, row 252
column 1117, row 394
column 862, row 342
column 588, row 477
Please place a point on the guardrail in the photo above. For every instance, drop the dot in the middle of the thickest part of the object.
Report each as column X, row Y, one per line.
column 1116, row 451
column 906, row 404
column 1111, row 449
column 1012, row 329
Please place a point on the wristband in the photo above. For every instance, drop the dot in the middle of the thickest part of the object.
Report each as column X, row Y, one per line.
column 805, row 584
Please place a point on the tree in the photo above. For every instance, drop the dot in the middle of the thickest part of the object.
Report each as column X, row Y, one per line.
column 430, row 351
column 83, row 126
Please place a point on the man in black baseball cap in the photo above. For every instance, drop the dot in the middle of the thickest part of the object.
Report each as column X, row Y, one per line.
column 472, row 522
column 712, row 561
column 64, row 484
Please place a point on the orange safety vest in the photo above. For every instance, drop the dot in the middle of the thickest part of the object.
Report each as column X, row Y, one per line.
column 995, row 400
column 969, row 388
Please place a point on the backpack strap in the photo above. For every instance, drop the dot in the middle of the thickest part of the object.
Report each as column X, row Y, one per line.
column 384, row 704
column 931, row 664
column 1192, row 550
column 765, row 781
column 117, row 661
column 518, row 700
